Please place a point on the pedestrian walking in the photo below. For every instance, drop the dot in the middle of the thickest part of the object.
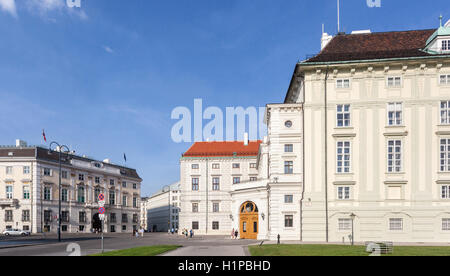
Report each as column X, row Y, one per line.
column 192, row 233
column 236, row 233
column 232, row 234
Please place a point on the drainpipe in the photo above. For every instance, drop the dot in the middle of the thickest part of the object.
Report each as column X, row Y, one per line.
column 326, row 157
column 303, row 165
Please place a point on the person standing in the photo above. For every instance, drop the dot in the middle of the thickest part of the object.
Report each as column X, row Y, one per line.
column 232, row 234
column 236, row 233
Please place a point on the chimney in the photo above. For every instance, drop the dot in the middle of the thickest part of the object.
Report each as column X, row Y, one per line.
column 21, row 144
column 107, row 161
column 326, row 38
column 246, row 139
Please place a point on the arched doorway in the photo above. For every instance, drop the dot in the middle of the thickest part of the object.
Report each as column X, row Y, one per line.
column 96, row 223
column 248, row 220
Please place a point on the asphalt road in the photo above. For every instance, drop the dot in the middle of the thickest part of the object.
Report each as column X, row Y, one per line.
column 91, row 244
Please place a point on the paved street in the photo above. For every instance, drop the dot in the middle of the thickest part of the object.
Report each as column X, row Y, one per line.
column 91, row 244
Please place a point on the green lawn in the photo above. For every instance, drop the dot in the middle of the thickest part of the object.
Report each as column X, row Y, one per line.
column 141, row 251
column 342, row 250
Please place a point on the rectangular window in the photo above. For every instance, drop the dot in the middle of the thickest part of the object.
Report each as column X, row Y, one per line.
column 9, row 192
column 64, row 195
column 82, row 217
column 47, row 216
column 396, row 224
column 124, row 201
column 81, row 196
column 394, row 81
column 343, row 193
column 216, row 184
column 215, row 225
column 253, row 166
column 195, row 184
column 343, row 83
column 26, row 215
column 26, row 192
column 215, row 207
column 445, row 192
column 135, row 202
column 394, row 156
column 288, row 148
column 47, row 172
column 64, row 216
column 124, row 184
column 47, row 193
column 445, row 155
column 195, row 166
column 236, row 180
column 288, row 199
column 236, row 166
column 195, row 225
column 9, row 170
column 81, row 177
column 113, row 218
column 112, row 197
column 343, row 115
column 345, row 224
column 112, row 182
column 64, row 175
column 343, row 156
column 289, row 221
column 395, row 114
column 124, row 218
column 26, row 170
column 8, row 216
column 97, row 180
column 194, row 207
column 445, row 112
column 446, row 224
column 253, row 179
column 216, row 166
column 444, row 79
column 134, row 186
column 288, row 167
column 445, row 45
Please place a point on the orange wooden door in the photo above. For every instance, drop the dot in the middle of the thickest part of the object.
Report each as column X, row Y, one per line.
column 249, row 222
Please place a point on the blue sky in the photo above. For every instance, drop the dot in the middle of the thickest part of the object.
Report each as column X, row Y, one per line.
column 105, row 78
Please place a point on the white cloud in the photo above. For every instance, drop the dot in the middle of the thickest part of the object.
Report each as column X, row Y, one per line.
column 108, row 49
column 45, row 7
column 9, row 6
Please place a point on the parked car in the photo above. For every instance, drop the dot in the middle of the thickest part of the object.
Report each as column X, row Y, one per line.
column 16, row 232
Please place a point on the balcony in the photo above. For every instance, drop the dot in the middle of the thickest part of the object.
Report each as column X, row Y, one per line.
column 5, row 202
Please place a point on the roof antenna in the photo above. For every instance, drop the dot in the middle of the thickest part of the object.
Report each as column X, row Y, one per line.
column 338, row 16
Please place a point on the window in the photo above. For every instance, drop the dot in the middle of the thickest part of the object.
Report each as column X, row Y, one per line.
column 253, row 178
column 194, row 207
column 445, row 112
column 124, row 218
column 445, row 45
column 215, row 207
column 195, row 184
column 47, row 193
column 395, row 111
column 394, row 81
column 135, row 202
column 9, row 170
column 343, row 83
column 64, row 175
column 195, row 166
column 216, row 184
column 195, row 225
column 64, row 228
column 288, row 124
column 289, row 221
column 81, row 198
column 135, row 218
column 216, row 166
column 26, row 192
column 236, row 180
column 112, row 197
column 288, row 199
column 26, row 228
column 134, row 186
column 394, row 156
column 289, row 148
column 26, row 170
column 8, row 215
column 64, row 195
column 345, row 224
column 112, row 182
column 445, row 192
column 26, row 215
column 288, row 167
column 113, row 229
column 47, row 172
column 113, row 218
column 343, row 115
column 446, row 224
column 81, row 177
column 47, row 216
column 124, row 228
column 124, row 201
column 215, row 225
column 445, row 155
column 124, row 184
column 396, row 224
column 444, row 79
column 343, row 193
column 97, row 180
column 253, row 166
column 9, row 192
column 343, row 157
column 236, row 166
column 64, row 216
column 97, row 192
column 82, row 217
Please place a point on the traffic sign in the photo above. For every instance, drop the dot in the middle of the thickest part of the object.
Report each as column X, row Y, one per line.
column 101, row 197
column 101, row 210
column 101, row 204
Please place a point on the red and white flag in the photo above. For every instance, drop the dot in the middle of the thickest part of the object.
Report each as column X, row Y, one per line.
column 43, row 135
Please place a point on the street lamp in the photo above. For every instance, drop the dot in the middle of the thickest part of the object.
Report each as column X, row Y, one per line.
column 59, row 149
column 353, row 216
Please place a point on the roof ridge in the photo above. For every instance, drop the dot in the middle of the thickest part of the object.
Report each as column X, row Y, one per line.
column 388, row 32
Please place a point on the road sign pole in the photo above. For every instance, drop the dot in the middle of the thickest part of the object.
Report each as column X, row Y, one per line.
column 103, row 242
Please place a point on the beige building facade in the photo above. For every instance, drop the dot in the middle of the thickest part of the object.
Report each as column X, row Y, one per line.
column 162, row 209
column 29, row 192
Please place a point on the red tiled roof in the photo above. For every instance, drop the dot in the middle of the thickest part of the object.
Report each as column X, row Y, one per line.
column 350, row 47
column 223, row 149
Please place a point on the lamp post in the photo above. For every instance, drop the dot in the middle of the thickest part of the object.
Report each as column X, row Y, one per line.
column 353, row 216
column 59, row 149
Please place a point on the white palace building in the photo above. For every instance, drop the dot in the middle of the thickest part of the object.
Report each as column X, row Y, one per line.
column 362, row 139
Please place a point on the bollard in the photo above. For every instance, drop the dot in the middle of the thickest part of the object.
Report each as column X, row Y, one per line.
column 279, row 237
